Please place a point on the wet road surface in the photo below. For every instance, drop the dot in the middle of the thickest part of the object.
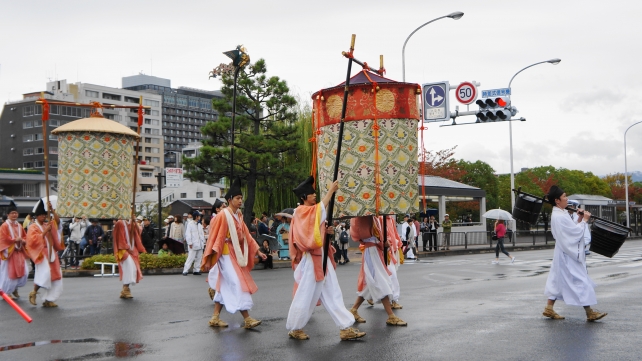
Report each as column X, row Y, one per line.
column 457, row 307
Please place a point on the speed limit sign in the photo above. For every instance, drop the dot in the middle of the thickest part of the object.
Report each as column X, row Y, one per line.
column 466, row 93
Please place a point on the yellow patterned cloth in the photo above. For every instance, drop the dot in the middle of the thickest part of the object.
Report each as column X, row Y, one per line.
column 398, row 166
column 95, row 174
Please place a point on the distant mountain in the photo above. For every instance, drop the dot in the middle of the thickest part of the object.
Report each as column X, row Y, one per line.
column 636, row 176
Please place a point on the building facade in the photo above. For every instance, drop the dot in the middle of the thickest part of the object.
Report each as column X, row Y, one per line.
column 21, row 125
column 185, row 110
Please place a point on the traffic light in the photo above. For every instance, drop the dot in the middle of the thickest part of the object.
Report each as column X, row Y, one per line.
column 494, row 109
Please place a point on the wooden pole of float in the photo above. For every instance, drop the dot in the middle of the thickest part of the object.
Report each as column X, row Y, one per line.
column 330, row 210
column 140, row 122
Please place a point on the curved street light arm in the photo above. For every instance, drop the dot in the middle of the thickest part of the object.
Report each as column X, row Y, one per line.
column 403, row 50
column 626, row 176
column 510, row 130
column 552, row 61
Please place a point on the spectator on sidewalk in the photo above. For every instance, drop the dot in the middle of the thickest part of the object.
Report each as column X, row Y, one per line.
column 431, row 234
column 342, row 238
column 447, row 225
column 263, row 228
column 164, row 251
column 76, row 234
column 265, row 248
column 148, row 235
column 417, row 228
column 94, row 235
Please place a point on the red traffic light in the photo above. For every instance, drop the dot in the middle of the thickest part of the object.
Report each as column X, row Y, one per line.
column 501, row 102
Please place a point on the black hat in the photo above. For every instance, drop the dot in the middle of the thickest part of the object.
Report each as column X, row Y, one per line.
column 40, row 208
column 554, row 193
column 196, row 214
column 12, row 209
column 305, row 188
column 235, row 189
column 217, row 204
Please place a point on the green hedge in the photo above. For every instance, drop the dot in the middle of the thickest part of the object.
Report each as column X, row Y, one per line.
column 147, row 261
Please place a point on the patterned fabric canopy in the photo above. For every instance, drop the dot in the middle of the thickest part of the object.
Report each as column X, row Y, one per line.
column 95, row 171
column 379, row 164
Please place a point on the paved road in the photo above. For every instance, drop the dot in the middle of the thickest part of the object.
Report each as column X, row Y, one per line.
column 458, row 308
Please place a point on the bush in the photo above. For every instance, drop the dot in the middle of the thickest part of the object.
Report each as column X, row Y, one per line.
column 147, row 261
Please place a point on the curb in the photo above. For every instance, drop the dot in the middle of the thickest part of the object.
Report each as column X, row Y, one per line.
column 156, row 271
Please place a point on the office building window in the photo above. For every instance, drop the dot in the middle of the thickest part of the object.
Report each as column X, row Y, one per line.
column 53, row 150
column 183, row 195
column 151, row 103
column 199, row 194
column 53, row 163
column 28, row 124
column 212, row 194
column 30, row 190
column 111, row 96
column 155, row 112
column 27, row 151
column 132, row 100
column 147, row 174
column 91, row 93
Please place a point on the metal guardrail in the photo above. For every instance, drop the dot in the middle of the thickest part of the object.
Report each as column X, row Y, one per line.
column 483, row 238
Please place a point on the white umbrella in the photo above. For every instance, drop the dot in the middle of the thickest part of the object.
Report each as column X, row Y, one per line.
column 498, row 214
column 52, row 199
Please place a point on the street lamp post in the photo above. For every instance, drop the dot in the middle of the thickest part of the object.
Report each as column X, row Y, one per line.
column 626, row 176
column 240, row 58
column 510, row 132
column 456, row 16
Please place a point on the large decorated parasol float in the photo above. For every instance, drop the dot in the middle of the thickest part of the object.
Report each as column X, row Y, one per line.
column 366, row 138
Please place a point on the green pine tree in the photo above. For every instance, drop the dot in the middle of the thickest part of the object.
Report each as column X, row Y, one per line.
column 267, row 144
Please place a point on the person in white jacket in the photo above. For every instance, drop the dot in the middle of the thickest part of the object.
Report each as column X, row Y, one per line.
column 77, row 231
column 195, row 240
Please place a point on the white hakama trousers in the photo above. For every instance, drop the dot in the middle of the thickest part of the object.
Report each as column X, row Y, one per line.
column 396, row 290
column 129, row 271
column 378, row 282
column 8, row 285
column 194, row 256
column 310, row 291
column 42, row 278
column 568, row 280
column 231, row 294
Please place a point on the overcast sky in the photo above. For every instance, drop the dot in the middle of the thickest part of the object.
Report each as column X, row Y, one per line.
column 576, row 111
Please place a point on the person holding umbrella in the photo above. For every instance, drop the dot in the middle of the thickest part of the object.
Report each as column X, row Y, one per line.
column 283, row 232
column 500, row 231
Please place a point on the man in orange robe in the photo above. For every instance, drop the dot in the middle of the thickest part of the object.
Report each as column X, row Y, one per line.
column 229, row 256
column 374, row 278
column 43, row 244
column 307, row 234
column 13, row 265
column 127, row 247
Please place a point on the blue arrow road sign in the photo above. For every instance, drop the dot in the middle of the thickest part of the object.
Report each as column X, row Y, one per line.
column 435, row 101
column 435, row 96
column 495, row 93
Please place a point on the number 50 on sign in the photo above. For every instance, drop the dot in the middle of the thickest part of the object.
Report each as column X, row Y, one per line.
column 466, row 93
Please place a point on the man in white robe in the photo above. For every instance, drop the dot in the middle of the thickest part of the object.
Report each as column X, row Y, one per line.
column 568, row 279
column 307, row 234
column 195, row 243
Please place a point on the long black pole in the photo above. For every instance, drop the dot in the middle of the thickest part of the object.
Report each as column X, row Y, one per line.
column 385, row 238
column 568, row 208
column 160, row 207
column 330, row 210
column 236, row 75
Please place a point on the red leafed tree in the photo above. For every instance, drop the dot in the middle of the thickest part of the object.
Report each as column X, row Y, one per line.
column 441, row 164
column 544, row 183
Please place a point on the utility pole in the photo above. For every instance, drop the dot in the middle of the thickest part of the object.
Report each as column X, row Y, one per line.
column 159, row 177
